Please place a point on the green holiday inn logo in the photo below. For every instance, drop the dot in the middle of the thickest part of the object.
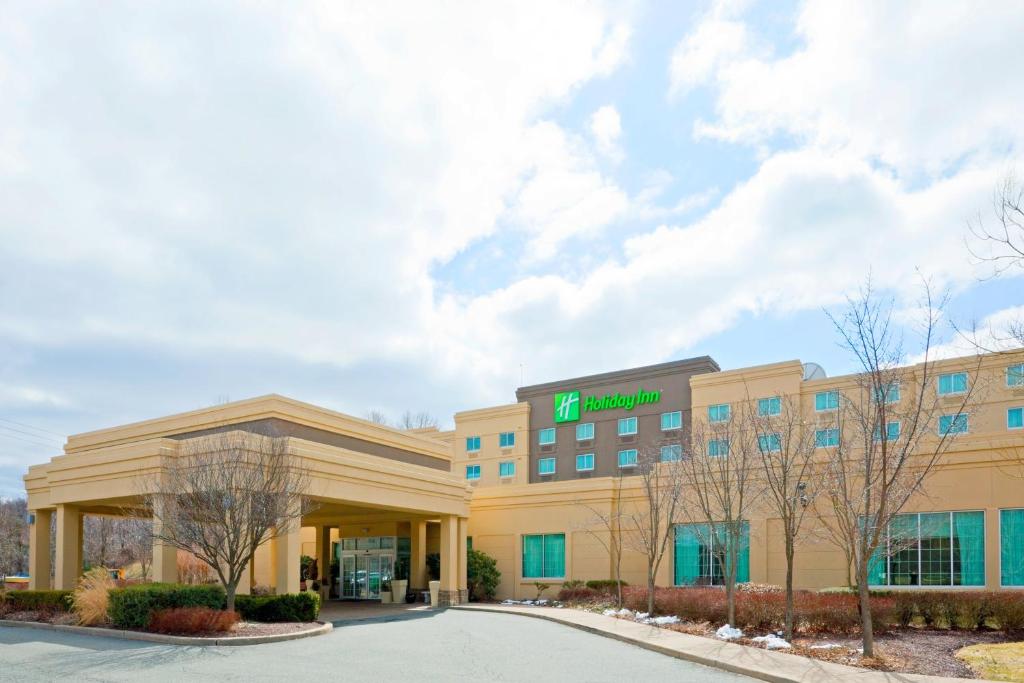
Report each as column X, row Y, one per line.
column 568, row 404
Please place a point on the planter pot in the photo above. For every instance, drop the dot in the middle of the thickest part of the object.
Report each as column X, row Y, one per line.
column 435, row 588
column 385, row 597
column 398, row 590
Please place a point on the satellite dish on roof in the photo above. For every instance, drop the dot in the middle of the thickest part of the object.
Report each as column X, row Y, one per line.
column 813, row 371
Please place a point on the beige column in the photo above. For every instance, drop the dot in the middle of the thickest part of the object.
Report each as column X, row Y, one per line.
column 39, row 565
column 288, row 548
column 418, row 554
column 165, row 557
column 449, row 560
column 463, row 578
column 69, row 547
column 323, row 556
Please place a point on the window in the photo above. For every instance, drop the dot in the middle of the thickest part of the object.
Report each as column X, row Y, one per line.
column 671, row 420
column 766, row 407
column 472, row 471
column 826, row 400
column 546, row 466
column 1011, row 547
column 585, row 431
column 506, row 469
column 506, row 439
column 472, row 443
column 890, row 393
column 627, row 458
column 718, row 413
column 1015, row 418
column 671, row 453
column 1015, row 376
column 892, row 432
column 544, row 556
column 585, row 462
column 953, row 424
column 952, row 383
column 825, row 438
column 627, row 426
column 546, row 437
column 932, row 549
column 769, row 443
column 718, row 447
column 701, row 553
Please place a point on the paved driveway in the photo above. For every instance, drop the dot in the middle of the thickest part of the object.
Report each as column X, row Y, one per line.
column 421, row 646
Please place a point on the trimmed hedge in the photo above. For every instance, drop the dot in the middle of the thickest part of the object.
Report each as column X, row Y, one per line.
column 604, row 585
column 278, row 608
column 133, row 606
column 24, row 601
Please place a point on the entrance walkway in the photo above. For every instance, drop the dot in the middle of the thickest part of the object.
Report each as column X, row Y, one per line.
column 339, row 612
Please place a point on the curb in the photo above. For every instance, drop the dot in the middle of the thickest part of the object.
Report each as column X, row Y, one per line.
column 169, row 640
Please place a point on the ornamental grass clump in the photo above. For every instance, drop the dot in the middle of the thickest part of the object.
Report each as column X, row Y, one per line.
column 91, row 598
column 192, row 620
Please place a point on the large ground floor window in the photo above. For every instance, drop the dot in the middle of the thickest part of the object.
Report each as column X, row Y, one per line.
column 701, row 554
column 1011, row 547
column 544, row 556
column 932, row 549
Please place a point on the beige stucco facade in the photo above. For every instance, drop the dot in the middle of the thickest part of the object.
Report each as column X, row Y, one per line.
column 441, row 490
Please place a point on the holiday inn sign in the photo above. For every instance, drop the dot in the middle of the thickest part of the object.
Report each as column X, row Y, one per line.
column 568, row 404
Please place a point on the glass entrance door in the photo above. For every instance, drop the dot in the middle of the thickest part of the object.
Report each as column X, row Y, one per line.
column 363, row 575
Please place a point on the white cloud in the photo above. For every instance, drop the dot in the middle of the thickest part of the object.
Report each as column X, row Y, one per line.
column 698, row 56
column 606, row 127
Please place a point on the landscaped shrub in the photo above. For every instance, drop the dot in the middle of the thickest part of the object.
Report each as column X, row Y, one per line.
column 278, row 608
column 483, row 575
column 604, row 585
column 132, row 607
column 92, row 597
column 191, row 620
column 576, row 591
column 41, row 600
column 1008, row 610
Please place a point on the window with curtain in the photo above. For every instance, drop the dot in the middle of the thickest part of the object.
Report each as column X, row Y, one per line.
column 546, row 466
column 1015, row 375
column 1011, row 547
column 544, row 556
column 506, row 469
column 1015, row 418
column 472, row 443
column 769, row 443
column 673, row 420
column 627, row 426
column 700, row 553
column 824, row 438
column 472, row 471
column 627, row 458
column 671, row 453
column 585, row 431
column 584, row 462
column 952, row 383
column 718, row 413
column 546, row 437
column 506, row 439
column 932, row 549
column 892, row 432
column 953, row 424
column 718, row 447
column 766, row 407
column 826, row 400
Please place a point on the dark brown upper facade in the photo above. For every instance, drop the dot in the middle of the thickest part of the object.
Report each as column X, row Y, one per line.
column 603, row 400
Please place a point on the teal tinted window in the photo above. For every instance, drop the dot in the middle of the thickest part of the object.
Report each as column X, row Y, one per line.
column 826, row 400
column 932, row 549
column 546, row 437
column 953, row 424
column 702, row 554
column 766, row 407
column 769, row 443
column 584, row 462
column 892, row 432
column 546, row 466
column 1015, row 375
column 506, row 469
column 671, row 453
column 825, row 438
column 472, row 471
column 1011, row 547
column 952, row 383
column 672, row 420
column 544, row 556
column 718, row 413
column 506, row 439
column 890, row 393
column 472, row 443
column 718, row 447
column 585, row 431
column 627, row 426
column 1015, row 418
column 627, row 458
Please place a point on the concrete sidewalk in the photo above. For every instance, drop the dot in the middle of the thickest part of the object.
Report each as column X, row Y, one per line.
column 755, row 662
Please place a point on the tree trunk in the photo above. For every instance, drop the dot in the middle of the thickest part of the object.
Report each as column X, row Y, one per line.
column 650, row 592
column 864, row 596
column 229, row 591
column 730, row 600
column 789, row 591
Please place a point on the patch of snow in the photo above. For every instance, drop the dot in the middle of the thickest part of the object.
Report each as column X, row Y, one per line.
column 772, row 642
column 825, row 646
column 727, row 632
column 541, row 602
column 641, row 616
column 663, row 621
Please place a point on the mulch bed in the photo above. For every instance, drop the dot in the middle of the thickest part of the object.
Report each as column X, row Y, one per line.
column 241, row 629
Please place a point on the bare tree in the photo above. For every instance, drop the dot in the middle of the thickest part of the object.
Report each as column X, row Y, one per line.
column 648, row 519
column 224, row 495
column 787, row 444
column 377, row 416
column 136, row 544
column 419, row 420
column 13, row 537
column 605, row 527
column 98, row 539
column 889, row 435
column 722, row 474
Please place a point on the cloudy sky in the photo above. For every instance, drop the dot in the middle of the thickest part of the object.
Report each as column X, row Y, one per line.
column 415, row 205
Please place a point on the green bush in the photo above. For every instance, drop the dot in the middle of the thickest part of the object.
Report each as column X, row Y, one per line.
column 132, row 607
column 43, row 600
column 278, row 608
column 483, row 575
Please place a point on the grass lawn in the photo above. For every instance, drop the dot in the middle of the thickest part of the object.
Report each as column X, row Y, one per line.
column 998, row 662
